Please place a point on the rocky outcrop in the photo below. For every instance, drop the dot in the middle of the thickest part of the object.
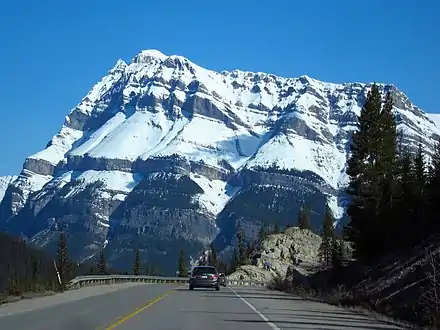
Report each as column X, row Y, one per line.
column 296, row 248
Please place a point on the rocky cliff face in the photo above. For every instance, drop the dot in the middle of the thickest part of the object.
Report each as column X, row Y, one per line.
column 294, row 247
column 163, row 154
column 4, row 183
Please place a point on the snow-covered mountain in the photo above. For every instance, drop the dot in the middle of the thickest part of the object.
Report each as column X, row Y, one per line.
column 163, row 154
column 4, row 183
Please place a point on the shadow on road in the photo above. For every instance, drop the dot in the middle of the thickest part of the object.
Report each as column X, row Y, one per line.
column 266, row 297
column 348, row 318
column 300, row 324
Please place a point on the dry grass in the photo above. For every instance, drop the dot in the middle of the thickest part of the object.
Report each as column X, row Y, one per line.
column 341, row 296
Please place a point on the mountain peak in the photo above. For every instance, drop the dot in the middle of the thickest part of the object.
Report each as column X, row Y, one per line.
column 119, row 66
column 147, row 55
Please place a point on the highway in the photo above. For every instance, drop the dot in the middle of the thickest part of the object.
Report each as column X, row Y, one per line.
column 137, row 306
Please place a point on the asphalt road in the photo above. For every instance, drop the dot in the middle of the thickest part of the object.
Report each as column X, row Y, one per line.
column 168, row 307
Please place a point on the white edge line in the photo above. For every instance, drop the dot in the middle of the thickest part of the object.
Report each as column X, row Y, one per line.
column 272, row 325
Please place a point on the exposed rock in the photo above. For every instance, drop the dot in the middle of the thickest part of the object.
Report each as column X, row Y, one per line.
column 295, row 248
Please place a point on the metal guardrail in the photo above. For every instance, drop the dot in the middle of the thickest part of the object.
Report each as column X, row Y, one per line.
column 92, row 280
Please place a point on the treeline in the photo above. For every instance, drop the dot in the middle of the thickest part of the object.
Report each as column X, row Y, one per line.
column 137, row 269
column 24, row 268
column 394, row 191
column 27, row 269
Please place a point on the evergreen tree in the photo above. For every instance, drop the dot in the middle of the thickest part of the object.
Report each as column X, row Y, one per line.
column 234, row 262
column 183, row 271
column 371, row 172
column 222, row 267
column 262, row 234
column 209, row 258
column 102, row 264
column 433, row 191
column 35, row 276
column 137, row 263
column 337, row 254
column 241, row 245
column 304, row 218
column 64, row 263
column 150, row 270
column 387, row 174
column 213, row 254
column 276, row 229
column 328, row 237
column 419, row 198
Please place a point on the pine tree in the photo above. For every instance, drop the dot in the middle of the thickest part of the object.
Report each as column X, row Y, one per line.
column 235, row 261
column 276, row 229
column 35, row 276
column 149, row 270
column 419, row 198
column 304, row 218
column 183, row 271
column 222, row 267
column 209, row 258
column 137, row 263
column 213, row 254
column 386, row 171
column 337, row 255
column 433, row 191
column 102, row 265
column 369, row 169
column 262, row 234
column 328, row 236
column 64, row 263
column 241, row 245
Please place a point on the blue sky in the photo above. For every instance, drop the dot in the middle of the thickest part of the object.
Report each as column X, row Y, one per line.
column 53, row 52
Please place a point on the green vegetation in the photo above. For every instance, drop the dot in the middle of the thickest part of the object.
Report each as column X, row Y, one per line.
column 183, row 271
column 137, row 263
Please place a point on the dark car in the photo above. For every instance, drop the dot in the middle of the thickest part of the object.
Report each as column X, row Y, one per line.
column 222, row 277
column 204, row 277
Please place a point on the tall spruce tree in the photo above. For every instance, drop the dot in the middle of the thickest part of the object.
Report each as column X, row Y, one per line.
column 214, row 260
column 262, row 234
column 328, row 236
column 365, row 171
column 419, row 199
column 402, row 220
column 433, row 191
column 137, row 263
column 276, row 227
column 64, row 263
column 387, row 174
column 241, row 244
column 102, row 265
column 183, row 271
column 234, row 262
column 35, row 276
column 304, row 218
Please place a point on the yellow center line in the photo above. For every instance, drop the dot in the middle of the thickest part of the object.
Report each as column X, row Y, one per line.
column 139, row 310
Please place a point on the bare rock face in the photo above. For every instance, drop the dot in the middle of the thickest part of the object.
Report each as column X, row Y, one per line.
column 252, row 273
column 296, row 248
column 293, row 242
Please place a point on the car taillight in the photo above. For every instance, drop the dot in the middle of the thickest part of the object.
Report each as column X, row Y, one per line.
column 214, row 276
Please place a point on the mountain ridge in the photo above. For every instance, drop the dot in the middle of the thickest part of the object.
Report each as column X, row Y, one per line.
column 167, row 138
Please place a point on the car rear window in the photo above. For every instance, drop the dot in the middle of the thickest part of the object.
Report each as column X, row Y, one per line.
column 204, row 270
